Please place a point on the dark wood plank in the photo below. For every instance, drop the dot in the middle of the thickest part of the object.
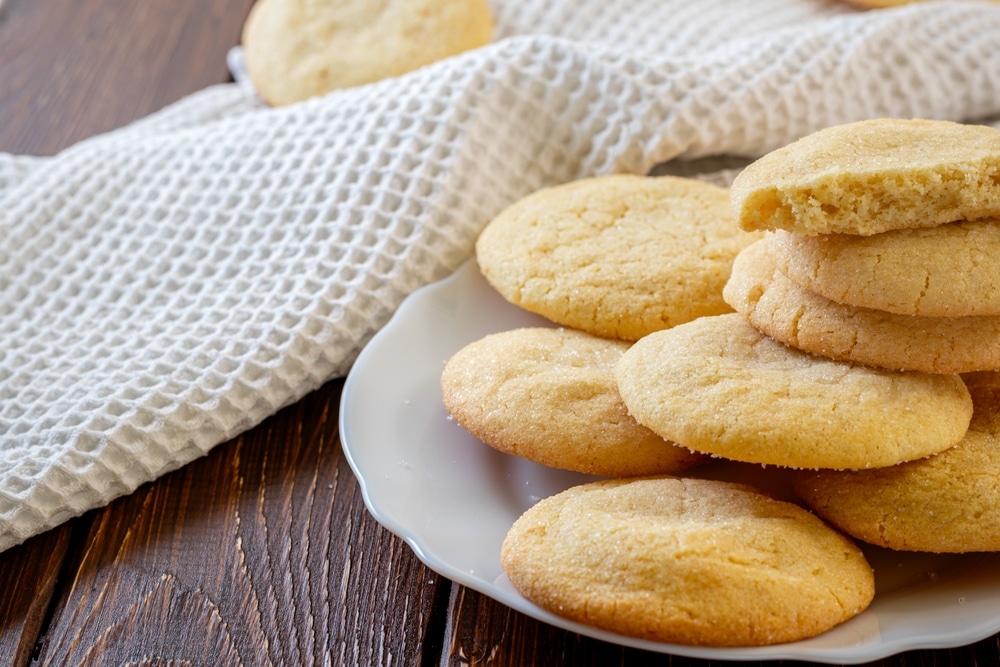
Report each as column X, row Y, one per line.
column 260, row 553
column 483, row 631
column 28, row 576
column 70, row 69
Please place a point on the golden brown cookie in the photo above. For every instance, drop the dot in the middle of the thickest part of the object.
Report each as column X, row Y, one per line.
column 880, row 4
column 948, row 503
column 800, row 318
column 549, row 395
column 884, row 4
column 952, row 270
column 616, row 256
column 686, row 561
column 873, row 176
column 717, row 385
column 296, row 49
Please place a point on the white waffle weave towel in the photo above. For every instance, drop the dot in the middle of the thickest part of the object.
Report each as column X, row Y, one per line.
column 166, row 286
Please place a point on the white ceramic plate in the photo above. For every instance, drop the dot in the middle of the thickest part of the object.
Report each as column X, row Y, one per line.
column 453, row 499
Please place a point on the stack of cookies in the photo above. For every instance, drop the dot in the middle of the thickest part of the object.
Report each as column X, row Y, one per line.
column 886, row 249
column 862, row 359
column 613, row 260
column 799, row 380
column 871, row 293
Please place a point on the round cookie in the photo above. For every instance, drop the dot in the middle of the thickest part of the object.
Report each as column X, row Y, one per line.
column 549, row 395
column 719, row 386
column 948, row 271
column 686, row 561
column 800, row 318
column 948, row 503
column 616, row 256
column 295, row 50
column 873, row 176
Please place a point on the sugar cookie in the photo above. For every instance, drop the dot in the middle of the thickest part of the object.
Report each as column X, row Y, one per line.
column 719, row 386
column 880, row 4
column 549, row 395
column 616, row 256
column 873, row 176
column 295, row 50
column 686, row 561
column 800, row 318
column 952, row 270
column 948, row 503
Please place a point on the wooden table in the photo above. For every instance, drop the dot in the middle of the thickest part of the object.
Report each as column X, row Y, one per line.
column 262, row 552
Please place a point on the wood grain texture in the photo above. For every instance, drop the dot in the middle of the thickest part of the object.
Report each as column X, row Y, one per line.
column 28, row 577
column 261, row 553
column 70, row 69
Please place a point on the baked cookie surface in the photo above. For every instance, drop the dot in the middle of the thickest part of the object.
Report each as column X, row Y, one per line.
column 947, row 503
column 873, row 176
column 686, row 561
column 800, row 318
column 880, row 4
column 616, row 256
column 549, row 395
column 296, row 49
column 719, row 386
column 952, row 270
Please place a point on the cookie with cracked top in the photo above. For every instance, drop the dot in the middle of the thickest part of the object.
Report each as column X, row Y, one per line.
column 686, row 561
column 718, row 385
column 549, row 396
column 617, row 256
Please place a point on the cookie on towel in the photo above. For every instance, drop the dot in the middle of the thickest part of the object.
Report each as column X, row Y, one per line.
column 616, row 256
column 952, row 270
column 549, row 395
column 873, row 176
column 948, row 503
column 883, row 4
column 719, row 386
column 800, row 318
column 686, row 561
column 880, row 4
column 295, row 50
